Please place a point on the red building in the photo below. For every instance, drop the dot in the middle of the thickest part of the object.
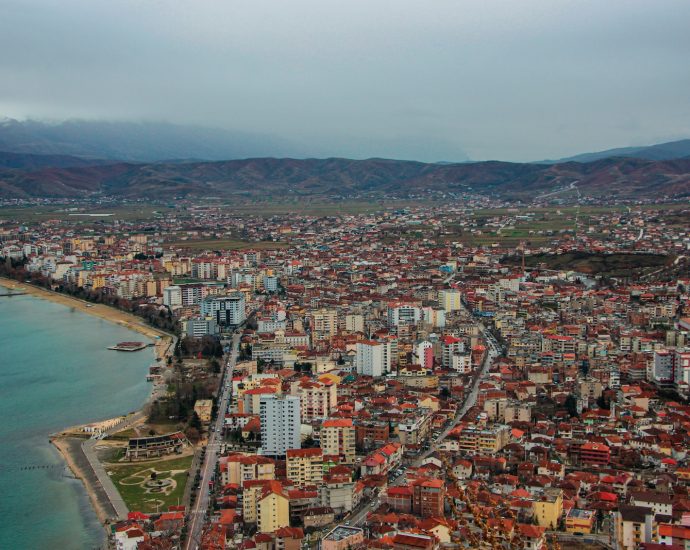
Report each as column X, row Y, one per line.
column 595, row 453
column 428, row 497
column 399, row 499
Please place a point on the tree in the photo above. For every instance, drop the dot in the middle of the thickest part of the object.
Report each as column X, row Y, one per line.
column 195, row 421
column 604, row 401
column 215, row 366
column 192, row 434
column 571, row 405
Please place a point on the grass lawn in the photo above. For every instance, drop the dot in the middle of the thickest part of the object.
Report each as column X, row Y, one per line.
column 143, row 494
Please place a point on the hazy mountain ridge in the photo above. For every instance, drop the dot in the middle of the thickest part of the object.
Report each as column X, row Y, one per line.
column 629, row 178
column 661, row 151
column 27, row 161
column 134, row 141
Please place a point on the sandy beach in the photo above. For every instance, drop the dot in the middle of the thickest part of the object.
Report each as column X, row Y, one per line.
column 70, row 447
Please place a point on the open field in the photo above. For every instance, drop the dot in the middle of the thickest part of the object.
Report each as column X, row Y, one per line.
column 538, row 226
column 596, row 264
column 134, row 212
column 141, row 492
column 320, row 208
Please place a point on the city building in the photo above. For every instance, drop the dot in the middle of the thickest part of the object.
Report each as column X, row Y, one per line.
column 280, row 424
column 338, row 439
column 373, row 358
column 305, row 466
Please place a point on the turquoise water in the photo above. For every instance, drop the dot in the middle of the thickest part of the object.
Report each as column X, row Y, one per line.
column 54, row 373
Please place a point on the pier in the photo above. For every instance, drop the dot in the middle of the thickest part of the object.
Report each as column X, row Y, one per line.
column 8, row 294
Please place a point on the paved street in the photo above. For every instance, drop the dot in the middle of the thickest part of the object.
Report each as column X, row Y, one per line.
column 208, row 467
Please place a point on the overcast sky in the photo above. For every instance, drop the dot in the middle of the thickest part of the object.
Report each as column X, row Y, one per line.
column 426, row 79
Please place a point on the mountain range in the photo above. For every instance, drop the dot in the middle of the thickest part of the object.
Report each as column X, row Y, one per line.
column 612, row 178
column 75, row 159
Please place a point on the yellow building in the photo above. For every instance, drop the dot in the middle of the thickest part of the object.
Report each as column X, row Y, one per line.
column 449, row 300
column 548, row 508
column 487, row 441
column 325, row 323
column 634, row 525
column 203, row 409
column 241, row 467
column 579, row 521
column 98, row 280
column 273, row 510
column 305, row 466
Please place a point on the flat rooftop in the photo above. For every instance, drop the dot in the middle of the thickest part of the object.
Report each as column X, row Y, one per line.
column 342, row 532
column 579, row 513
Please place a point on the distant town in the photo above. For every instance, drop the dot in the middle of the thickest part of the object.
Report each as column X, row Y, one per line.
column 453, row 372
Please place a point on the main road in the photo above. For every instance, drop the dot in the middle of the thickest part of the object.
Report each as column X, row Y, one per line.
column 208, row 467
column 493, row 350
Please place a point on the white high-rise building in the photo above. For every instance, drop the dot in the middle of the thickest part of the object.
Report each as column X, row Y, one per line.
column 373, row 358
column 172, row 296
column 227, row 311
column 451, row 346
column 280, row 424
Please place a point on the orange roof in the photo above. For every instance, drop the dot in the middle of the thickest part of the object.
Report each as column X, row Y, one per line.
column 338, row 423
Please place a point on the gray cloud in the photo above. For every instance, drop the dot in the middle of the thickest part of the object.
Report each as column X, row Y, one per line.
column 398, row 78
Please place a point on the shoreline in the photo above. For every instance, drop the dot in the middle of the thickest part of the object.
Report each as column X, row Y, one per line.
column 68, row 445
column 71, row 452
column 108, row 313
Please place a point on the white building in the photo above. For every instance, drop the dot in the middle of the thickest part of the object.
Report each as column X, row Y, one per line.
column 373, row 358
column 172, row 296
column 197, row 327
column 681, row 368
column 270, row 325
column 434, row 316
column 672, row 366
column 129, row 539
column 461, row 362
column 451, row 346
column 270, row 283
column 227, row 311
column 354, row 322
column 403, row 314
column 424, row 354
column 663, row 366
column 280, row 424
